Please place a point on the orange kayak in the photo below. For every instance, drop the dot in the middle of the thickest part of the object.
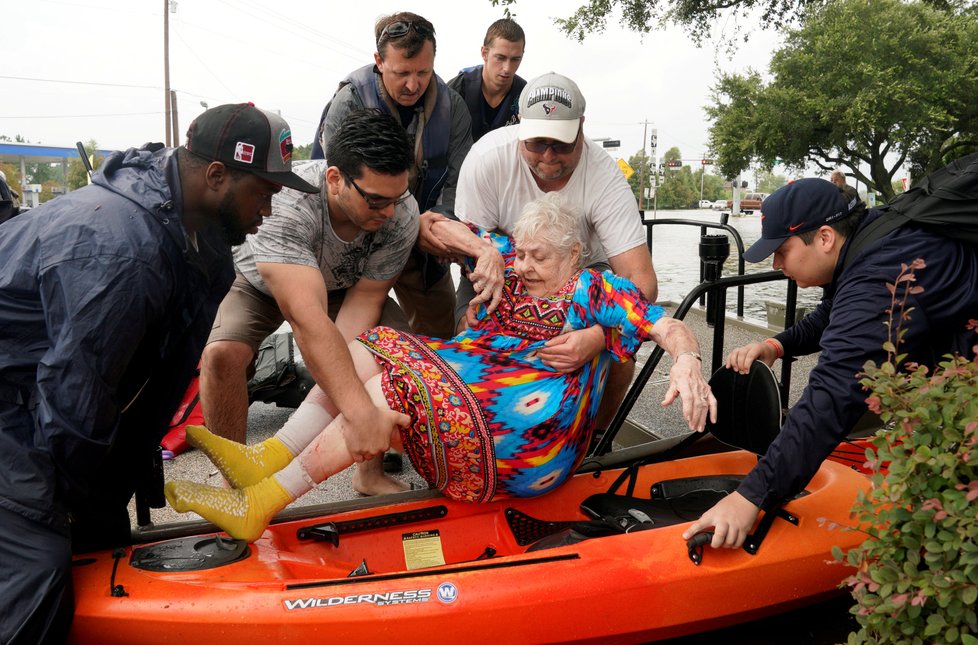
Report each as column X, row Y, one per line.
column 576, row 565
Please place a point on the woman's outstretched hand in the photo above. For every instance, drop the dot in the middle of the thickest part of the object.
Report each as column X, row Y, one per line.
column 487, row 278
column 686, row 381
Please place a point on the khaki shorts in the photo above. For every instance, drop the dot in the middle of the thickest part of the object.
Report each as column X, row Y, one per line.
column 248, row 316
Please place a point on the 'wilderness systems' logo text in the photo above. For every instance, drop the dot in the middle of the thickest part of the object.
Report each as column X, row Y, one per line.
column 405, row 597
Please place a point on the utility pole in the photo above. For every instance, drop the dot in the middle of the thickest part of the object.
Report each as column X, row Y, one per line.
column 176, row 118
column 641, row 171
column 166, row 71
column 653, row 141
column 702, row 176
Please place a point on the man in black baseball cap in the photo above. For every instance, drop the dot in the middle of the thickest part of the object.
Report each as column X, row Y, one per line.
column 248, row 138
column 107, row 296
column 807, row 226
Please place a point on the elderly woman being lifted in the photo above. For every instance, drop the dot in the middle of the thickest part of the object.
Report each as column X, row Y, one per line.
column 482, row 417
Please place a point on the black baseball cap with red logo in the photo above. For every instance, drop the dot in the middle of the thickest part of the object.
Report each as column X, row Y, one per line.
column 801, row 206
column 242, row 136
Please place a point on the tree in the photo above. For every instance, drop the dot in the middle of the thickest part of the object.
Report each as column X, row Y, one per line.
column 640, row 180
column 768, row 182
column 862, row 84
column 713, row 186
column 678, row 188
column 302, row 152
column 697, row 17
column 12, row 171
column 77, row 172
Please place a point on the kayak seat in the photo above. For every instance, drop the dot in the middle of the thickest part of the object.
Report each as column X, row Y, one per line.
column 670, row 502
column 749, row 416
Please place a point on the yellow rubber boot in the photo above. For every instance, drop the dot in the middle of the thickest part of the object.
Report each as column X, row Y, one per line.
column 243, row 514
column 241, row 465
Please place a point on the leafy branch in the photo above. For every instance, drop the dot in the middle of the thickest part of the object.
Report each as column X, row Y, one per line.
column 916, row 575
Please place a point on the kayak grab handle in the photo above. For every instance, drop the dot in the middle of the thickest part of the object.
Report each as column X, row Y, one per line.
column 695, row 544
column 331, row 531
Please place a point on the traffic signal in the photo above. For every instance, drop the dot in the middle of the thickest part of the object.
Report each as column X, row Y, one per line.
column 675, row 163
column 706, row 162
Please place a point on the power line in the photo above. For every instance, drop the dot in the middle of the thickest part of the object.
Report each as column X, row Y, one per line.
column 58, row 80
column 203, row 64
column 79, row 116
column 292, row 25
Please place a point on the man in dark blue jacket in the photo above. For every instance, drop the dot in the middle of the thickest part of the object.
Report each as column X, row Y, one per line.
column 807, row 226
column 107, row 296
column 492, row 90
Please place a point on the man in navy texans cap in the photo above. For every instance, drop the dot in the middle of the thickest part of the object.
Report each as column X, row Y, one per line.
column 800, row 207
column 107, row 295
column 808, row 226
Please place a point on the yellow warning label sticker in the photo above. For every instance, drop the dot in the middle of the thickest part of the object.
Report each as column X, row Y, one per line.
column 422, row 549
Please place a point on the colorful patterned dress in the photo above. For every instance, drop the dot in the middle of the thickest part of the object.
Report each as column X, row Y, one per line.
column 488, row 419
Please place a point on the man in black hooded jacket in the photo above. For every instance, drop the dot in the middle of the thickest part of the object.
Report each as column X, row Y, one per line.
column 107, row 295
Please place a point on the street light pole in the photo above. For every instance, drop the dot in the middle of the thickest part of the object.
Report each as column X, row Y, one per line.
column 702, row 177
column 641, row 170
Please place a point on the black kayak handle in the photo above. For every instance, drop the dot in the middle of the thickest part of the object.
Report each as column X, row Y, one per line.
column 695, row 544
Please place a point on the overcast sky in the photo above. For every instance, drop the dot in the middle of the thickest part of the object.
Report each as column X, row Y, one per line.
column 96, row 66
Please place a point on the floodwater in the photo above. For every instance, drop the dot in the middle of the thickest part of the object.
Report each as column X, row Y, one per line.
column 675, row 255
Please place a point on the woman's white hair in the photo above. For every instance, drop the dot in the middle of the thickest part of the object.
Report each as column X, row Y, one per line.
column 553, row 220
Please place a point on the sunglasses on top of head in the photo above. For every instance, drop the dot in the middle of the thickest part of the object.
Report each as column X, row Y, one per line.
column 375, row 203
column 401, row 27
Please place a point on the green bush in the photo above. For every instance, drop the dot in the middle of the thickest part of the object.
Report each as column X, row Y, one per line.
column 916, row 578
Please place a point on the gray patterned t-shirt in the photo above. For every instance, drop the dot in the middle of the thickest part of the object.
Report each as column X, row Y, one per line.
column 299, row 232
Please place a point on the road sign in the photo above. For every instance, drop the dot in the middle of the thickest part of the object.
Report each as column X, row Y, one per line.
column 626, row 170
column 611, row 143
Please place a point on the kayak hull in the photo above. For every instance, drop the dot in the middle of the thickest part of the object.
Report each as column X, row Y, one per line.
column 632, row 587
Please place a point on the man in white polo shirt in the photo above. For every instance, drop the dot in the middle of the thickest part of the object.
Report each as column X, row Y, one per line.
column 547, row 152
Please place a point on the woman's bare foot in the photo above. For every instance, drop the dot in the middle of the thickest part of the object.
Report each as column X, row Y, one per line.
column 370, row 479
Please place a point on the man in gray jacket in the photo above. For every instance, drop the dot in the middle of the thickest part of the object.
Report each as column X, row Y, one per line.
column 402, row 82
column 107, row 295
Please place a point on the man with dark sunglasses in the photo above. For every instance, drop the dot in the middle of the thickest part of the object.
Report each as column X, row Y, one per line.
column 325, row 266
column 549, row 152
column 402, row 82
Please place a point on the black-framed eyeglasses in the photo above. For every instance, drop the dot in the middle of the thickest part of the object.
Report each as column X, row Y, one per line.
column 401, row 27
column 538, row 147
column 374, row 202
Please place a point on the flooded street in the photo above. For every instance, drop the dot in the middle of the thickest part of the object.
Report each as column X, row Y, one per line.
column 675, row 255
